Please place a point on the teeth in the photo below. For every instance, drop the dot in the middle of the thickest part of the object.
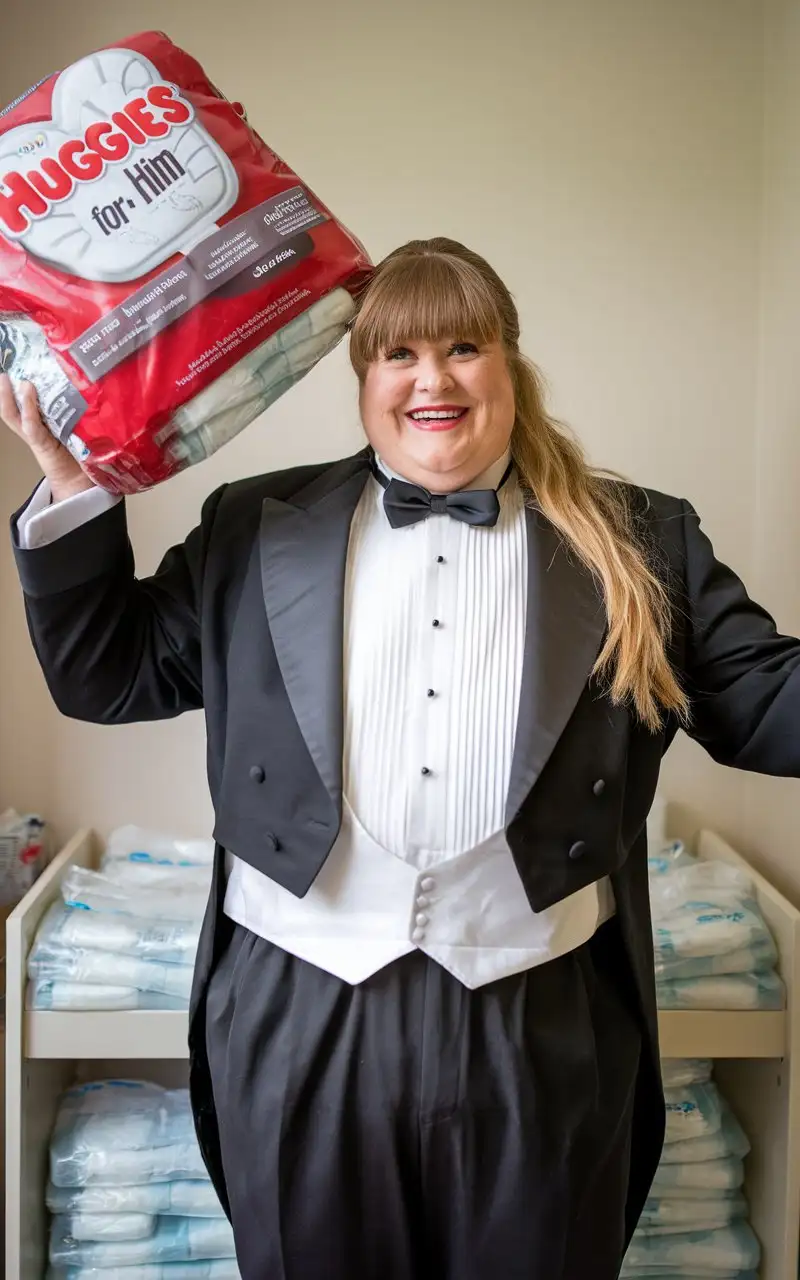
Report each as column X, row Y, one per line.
column 426, row 414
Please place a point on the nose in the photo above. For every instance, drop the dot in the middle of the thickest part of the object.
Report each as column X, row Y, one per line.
column 433, row 376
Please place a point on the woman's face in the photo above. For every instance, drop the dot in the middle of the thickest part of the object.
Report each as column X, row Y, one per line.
column 439, row 413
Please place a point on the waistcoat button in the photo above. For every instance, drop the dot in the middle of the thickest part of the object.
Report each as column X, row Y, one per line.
column 257, row 773
column 599, row 787
column 578, row 849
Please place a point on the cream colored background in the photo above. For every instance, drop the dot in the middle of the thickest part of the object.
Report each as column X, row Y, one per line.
column 630, row 167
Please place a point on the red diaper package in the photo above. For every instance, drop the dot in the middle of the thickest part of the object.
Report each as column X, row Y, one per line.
column 164, row 275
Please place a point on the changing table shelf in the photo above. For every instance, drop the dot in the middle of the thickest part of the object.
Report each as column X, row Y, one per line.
column 757, row 1056
column 162, row 1034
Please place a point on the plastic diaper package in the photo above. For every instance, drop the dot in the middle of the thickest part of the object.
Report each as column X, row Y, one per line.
column 123, row 1132
column 99, row 891
column 128, row 1189
column 132, row 844
column 164, row 275
column 695, row 1221
column 727, row 1140
column 713, row 949
column 669, row 1216
column 124, row 936
column 187, row 1199
column 174, row 1240
column 732, row 1249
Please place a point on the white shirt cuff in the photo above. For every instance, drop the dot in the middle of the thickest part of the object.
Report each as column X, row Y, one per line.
column 44, row 521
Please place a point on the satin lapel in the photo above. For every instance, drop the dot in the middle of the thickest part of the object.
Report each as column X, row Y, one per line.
column 303, row 560
column 564, row 631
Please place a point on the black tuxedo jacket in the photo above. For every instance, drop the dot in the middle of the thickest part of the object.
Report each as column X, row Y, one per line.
column 244, row 619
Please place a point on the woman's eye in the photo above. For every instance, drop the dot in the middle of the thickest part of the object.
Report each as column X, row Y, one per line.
column 399, row 353
column 464, row 349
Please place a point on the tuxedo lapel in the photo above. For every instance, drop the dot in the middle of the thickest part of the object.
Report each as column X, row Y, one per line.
column 564, row 630
column 303, row 561
column 303, row 547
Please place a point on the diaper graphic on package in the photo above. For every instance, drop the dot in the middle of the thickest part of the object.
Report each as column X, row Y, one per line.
column 164, row 275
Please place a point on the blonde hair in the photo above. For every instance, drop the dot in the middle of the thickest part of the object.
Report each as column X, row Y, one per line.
column 433, row 289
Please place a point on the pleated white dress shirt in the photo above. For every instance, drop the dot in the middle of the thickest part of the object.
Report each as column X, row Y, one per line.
column 434, row 633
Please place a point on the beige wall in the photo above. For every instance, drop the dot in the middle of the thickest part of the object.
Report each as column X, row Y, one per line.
column 772, row 806
column 606, row 157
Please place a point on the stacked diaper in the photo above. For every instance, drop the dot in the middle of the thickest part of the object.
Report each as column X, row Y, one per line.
column 128, row 1190
column 695, row 1221
column 124, row 937
column 713, row 949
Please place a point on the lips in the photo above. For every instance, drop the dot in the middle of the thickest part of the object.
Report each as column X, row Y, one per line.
column 437, row 417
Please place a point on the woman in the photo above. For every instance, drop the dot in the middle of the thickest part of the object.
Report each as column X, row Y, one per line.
column 439, row 678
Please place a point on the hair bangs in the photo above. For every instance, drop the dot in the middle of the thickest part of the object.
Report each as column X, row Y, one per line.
column 423, row 298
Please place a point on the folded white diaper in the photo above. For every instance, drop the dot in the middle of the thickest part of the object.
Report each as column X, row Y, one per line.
column 732, row 1249
column 174, row 1240
column 167, row 941
column 690, row 1213
column 729, row 1140
column 726, row 991
column 52, row 960
column 705, row 1177
column 189, row 1199
column 122, row 1132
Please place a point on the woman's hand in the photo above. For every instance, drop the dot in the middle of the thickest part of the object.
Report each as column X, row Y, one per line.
column 23, row 417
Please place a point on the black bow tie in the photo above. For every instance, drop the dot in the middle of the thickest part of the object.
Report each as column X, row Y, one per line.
column 406, row 503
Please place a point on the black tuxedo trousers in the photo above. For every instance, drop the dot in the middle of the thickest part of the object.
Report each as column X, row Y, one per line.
column 411, row 1129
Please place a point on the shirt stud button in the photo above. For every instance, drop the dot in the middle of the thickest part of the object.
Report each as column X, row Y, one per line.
column 599, row 787
column 436, row 622
column 431, row 693
column 577, row 850
column 440, row 559
column 425, row 771
column 257, row 773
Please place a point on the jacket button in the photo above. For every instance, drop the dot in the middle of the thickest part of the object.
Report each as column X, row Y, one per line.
column 599, row 787
column 257, row 773
column 577, row 850
column 272, row 842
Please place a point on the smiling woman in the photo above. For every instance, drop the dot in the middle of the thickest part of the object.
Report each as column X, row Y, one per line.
column 440, row 412
column 435, row 329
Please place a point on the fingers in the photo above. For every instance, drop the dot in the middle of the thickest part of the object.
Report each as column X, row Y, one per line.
column 33, row 429
column 21, row 412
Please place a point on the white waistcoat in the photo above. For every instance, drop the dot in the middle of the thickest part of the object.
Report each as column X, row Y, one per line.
column 368, row 907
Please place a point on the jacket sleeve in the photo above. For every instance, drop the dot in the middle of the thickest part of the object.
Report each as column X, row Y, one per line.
column 113, row 648
column 742, row 675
